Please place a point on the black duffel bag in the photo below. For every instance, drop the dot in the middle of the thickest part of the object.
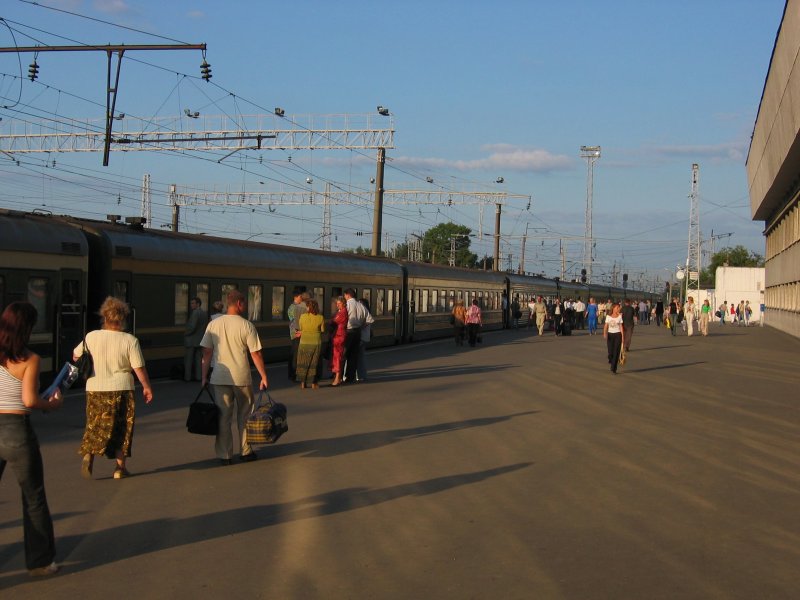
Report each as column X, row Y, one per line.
column 203, row 417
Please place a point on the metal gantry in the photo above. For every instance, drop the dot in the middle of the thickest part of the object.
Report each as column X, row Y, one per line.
column 111, row 88
column 201, row 132
column 192, row 197
column 185, row 196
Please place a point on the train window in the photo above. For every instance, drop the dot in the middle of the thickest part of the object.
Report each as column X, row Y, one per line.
column 121, row 290
column 319, row 296
column 367, row 295
column 201, row 291
column 389, row 301
column 37, row 295
column 424, row 306
column 70, row 296
column 181, row 303
column 447, row 301
column 278, row 298
column 254, row 295
column 380, row 300
column 434, row 300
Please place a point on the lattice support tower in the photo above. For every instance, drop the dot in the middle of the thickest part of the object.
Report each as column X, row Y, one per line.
column 694, row 246
column 147, row 206
column 592, row 155
column 325, row 241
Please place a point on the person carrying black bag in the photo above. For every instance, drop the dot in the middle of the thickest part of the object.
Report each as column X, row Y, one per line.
column 231, row 341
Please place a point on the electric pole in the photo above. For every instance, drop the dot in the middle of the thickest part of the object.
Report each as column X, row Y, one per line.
column 592, row 155
column 693, row 254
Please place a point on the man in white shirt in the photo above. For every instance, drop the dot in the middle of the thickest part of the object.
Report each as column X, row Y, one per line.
column 228, row 340
column 580, row 310
column 356, row 317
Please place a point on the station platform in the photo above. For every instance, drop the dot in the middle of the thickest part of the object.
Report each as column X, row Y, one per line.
column 521, row 468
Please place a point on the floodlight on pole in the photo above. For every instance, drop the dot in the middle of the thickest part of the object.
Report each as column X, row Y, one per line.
column 591, row 154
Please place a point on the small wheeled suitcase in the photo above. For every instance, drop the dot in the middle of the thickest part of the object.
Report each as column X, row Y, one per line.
column 267, row 422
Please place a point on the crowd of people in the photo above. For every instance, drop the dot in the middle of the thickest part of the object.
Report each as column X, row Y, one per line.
column 219, row 351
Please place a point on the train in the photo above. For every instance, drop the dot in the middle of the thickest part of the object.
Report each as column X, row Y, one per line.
column 66, row 266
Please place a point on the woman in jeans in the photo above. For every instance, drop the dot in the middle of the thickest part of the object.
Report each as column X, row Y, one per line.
column 19, row 448
column 614, row 333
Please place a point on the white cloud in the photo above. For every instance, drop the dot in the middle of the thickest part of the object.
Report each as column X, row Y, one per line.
column 112, row 6
column 501, row 156
column 734, row 151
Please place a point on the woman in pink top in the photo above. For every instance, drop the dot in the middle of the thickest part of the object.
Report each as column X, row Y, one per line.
column 474, row 322
column 338, row 327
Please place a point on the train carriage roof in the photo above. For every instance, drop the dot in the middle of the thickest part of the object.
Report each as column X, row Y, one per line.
column 31, row 232
column 432, row 273
column 155, row 245
column 532, row 282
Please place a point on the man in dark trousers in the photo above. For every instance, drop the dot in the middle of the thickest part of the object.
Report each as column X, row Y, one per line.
column 294, row 312
column 356, row 317
column 659, row 312
column 628, row 317
column 192, row 334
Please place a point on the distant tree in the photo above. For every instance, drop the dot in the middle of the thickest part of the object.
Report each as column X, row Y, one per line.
column 400, row 251
column 738, row 256
column 359, row 251
column 486, row 263
column 437, row 244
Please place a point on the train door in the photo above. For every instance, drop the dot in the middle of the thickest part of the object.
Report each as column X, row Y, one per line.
column 121, row 289
column 70, row 314
column 413, row 307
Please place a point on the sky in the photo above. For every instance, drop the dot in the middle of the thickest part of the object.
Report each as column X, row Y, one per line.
column 477, row 91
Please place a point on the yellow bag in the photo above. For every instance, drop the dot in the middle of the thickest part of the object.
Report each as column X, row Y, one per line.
column 667, row 324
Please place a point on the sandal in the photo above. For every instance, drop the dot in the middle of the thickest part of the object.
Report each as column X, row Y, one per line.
column 86, row 466
column 121, row 473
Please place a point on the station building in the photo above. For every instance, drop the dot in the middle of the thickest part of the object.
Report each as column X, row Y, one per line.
column 773, row 174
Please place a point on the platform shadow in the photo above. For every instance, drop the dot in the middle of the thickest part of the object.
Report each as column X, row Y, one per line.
column 430, row 372
column 117, row 544
column 347, row 444
column 663, row 367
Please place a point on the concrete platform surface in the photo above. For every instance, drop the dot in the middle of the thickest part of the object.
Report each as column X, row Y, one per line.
column 521, row 468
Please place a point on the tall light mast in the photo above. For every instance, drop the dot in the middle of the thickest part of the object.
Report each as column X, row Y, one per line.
column 693, row 254
column 147, row 202
column 591, row 154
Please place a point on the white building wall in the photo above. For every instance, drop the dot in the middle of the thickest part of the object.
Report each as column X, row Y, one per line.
column 735, row 284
